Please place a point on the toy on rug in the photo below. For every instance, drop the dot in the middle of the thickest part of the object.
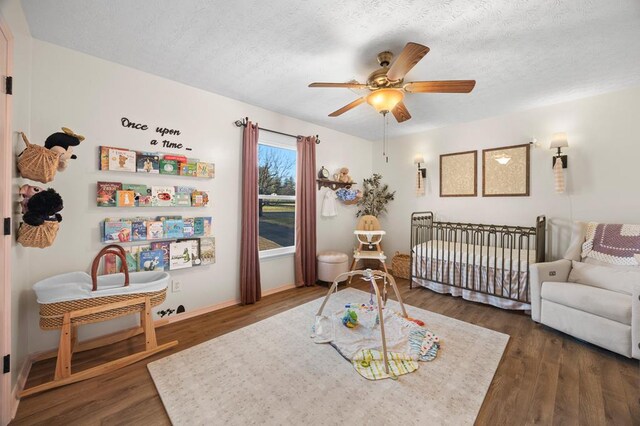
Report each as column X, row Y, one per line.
column 26, row 192
column 350, row 318
column 62, row 143
column 417, row 321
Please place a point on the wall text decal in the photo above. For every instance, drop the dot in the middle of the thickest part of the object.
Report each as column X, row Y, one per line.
column 162, row 131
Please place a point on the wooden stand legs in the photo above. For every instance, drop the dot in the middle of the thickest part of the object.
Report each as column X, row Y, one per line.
column 69, row 343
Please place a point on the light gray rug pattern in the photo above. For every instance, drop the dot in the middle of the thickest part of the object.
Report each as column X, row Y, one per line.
column 271, row 372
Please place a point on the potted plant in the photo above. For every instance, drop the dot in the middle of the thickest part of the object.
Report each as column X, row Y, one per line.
column 375, row 197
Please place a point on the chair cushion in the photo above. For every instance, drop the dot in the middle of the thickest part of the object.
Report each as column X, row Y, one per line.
column 606, row 277
column 604, row 303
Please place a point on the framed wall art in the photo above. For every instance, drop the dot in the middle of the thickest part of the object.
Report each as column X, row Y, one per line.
column 458, row 174
column 505, row 171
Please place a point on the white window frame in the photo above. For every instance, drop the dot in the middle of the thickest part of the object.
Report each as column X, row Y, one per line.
column 278, row 142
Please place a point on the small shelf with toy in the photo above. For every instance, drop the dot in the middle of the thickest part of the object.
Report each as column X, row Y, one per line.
column 117, row 194
column 341, row 179
column 333, row 184
column 153, row 163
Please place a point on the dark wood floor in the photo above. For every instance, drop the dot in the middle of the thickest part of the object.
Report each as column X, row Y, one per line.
column 544, row 377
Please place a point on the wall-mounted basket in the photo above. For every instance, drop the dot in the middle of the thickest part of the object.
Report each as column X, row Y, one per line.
column 37, row 162
column 40, row 236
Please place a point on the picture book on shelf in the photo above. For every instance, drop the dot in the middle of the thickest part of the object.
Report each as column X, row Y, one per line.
column 104, row 157
column 138, row 230
column 148, row 162
column 175, row 157
column 125, row 198
column 174, row 228
column 131, row 255
column 208, row 223
column 194, row 250
column 155, row 230
column 122, row 160
column 188, row 227
column 117, row 230
column 182, row 199
column 164, row 247
column 180, row 255
column 198, row 226
column 151, row 260
column 138, row 191
column 106, row 193
column 144, row 201
column 184, row 190
column 163, row 196
column 110, row 264
column 188, row 169
column 168, row 167
column 199, row 198
column 205, row 170
column 208, row 250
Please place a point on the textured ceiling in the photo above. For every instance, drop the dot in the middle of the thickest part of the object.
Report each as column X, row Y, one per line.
column 523, row 53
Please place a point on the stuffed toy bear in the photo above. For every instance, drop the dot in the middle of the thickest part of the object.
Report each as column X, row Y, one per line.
column 344, row 176
column 27, row 191
column 43, row 206
column 62, row 142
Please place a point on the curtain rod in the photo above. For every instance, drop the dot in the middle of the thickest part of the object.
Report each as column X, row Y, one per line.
column 244, row 121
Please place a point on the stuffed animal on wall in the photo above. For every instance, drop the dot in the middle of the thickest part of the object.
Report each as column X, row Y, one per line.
column 43, row 206
column 62, row 143
column 26, row 192
column 344, row 176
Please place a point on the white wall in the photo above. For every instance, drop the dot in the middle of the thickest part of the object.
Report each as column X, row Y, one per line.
column 602, row 174
column 90, row 96
column 12, row 14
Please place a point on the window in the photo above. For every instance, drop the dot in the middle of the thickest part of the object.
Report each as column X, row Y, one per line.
column 276, row 196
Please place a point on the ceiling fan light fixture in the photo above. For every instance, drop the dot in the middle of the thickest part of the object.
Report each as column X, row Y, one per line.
column 384, row 100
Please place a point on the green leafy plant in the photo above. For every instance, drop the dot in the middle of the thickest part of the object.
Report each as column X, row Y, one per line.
column 375, row 197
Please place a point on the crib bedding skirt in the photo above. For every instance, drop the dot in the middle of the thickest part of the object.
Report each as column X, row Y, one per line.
column 483, row 274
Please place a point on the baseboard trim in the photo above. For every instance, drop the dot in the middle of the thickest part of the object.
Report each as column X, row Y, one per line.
column 20, row 384
column 216, row 307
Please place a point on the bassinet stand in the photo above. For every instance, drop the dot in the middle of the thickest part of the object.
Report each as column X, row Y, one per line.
column 69, row 343
column 369, row 275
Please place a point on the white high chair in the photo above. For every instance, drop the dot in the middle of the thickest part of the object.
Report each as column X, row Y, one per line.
column 369, row 236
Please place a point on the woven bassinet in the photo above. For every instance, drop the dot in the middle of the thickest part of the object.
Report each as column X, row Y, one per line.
column 37, row 162
column 51, row 314
column 38, row 236
column 400, row 265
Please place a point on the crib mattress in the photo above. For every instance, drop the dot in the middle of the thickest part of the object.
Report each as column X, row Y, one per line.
column 78, row 285
column 476, row 255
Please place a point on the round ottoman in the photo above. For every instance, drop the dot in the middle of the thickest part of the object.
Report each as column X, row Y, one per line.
column 331, row 264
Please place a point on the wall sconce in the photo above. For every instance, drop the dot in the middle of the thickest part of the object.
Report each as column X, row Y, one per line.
column 559, row 141
column 419, row 159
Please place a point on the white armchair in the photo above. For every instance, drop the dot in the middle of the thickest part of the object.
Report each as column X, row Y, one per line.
column 596, row 303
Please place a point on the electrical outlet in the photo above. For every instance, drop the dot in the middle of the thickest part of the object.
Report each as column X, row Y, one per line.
column 176, row 286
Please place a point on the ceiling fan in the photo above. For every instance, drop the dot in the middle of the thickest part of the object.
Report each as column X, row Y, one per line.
column 387, row 84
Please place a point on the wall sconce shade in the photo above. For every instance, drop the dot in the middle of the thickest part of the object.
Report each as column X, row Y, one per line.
column 418, row 159
column 559, row 141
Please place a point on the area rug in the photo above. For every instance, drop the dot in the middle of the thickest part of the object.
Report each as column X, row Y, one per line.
column 271, row 372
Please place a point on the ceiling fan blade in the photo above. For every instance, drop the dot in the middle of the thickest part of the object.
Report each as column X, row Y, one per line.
column 401, row 113
column 347, row 107
column 342, row 85
column 446, row 86
column 408, row 58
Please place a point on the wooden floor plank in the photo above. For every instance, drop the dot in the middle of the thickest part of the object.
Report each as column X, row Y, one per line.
column 545, row 377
